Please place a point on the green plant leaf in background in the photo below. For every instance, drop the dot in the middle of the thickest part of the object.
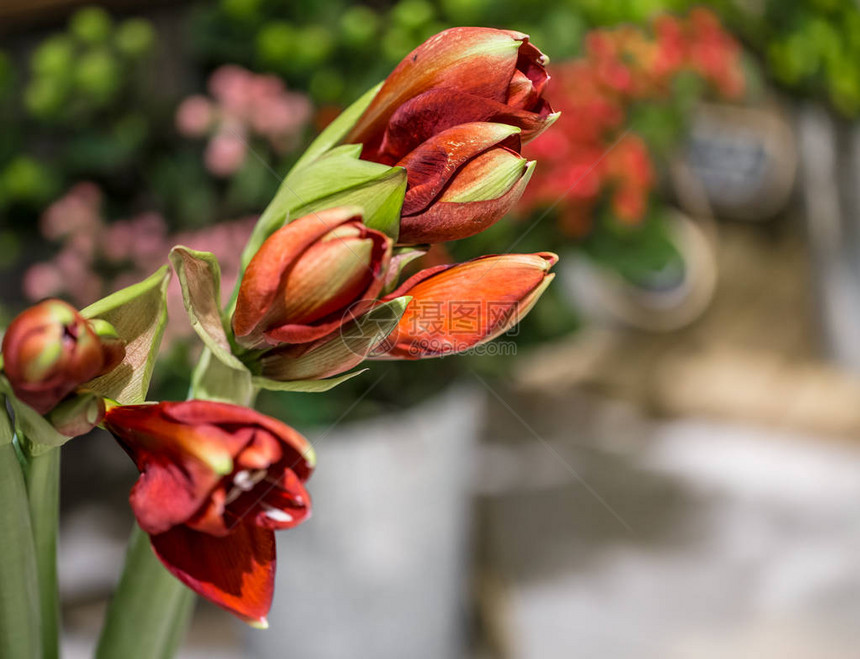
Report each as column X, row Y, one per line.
column 139, row 315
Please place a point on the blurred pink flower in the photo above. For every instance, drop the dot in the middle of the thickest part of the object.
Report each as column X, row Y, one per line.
column 136, row 247
column 150, row 239
column 82, row 285
column 281, row 119
column 43, row 280
column 244, row 106
column 75, row 212
column 225, row 154
column 117, row 243
column 231, row 86
column 195, row 116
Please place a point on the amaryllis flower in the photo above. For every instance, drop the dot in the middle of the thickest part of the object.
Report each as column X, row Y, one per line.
column 49, row 350
column 457, row 307
column 454, row 113
column 216, row 481
column 307, row 275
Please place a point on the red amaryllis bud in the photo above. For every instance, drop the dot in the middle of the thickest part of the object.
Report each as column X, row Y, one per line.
column 461, row 75
column 50, row 349
column 457, row 307
column 458, row 107
column 304, row 277
column 216, row 481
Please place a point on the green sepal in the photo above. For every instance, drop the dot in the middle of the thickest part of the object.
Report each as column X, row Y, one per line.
column 200, row 280
column 337, row 129
column 304, row 386
column 400, row 258
column 215, row 380
column 496, row 184
column 138, row 313
column 353, row 343
column 31, row 427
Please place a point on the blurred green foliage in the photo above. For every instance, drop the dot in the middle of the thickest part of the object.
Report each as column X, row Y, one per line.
column 88, row 103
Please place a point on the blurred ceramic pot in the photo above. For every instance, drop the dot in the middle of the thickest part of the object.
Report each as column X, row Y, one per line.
column 381, row 569
column 738, row 163
column 669, row 300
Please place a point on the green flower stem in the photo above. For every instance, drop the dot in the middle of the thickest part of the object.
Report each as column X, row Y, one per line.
column 182, row 620
column 151, row 610
column 20, row 633
column 147, row 611
column 42, row 475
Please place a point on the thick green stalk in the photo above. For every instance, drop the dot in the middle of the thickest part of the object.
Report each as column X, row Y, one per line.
column 181, row 621
column 146, row 616
column 20, row 633
column 43, row 489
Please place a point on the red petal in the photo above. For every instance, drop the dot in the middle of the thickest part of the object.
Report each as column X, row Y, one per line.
column 157, row 430
column 436, row 110
column 430, row 166
column 461, row 306
column 286, row 505
column 264, row 450
column 236, row 572
column 471, row 59
column 224, row 414
column 168, row 493
column 443, row 221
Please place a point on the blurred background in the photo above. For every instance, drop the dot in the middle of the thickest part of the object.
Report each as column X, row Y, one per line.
column 661, row 461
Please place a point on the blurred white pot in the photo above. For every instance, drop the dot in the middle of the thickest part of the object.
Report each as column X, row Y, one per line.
column 381, row 568
column 738, row 162
column 607, row 298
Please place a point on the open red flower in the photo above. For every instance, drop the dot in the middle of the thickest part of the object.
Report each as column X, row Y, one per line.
column 49, row 350
column 457, row 307
column 216, row 481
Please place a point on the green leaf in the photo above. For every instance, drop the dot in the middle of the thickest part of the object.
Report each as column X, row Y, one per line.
column 42, row 478
column 200, row 279
column 139, row 314
column 337, row 129
column 305, row 386
column 20, row 634
column 380, row 199
column 337, row 179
